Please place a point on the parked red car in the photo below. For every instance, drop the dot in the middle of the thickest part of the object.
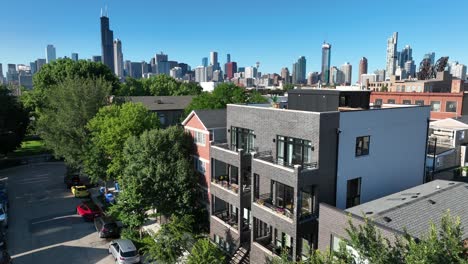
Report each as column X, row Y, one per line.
column 88, row 210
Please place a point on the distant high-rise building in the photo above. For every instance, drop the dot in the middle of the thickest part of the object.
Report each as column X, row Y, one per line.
column 217, row 76
column 205, row 62
column 458, row 70
column 362, row 68
column 405, row 55
column 250, row 72
column 176, row 73
column 184, row 68
column 127, row 68
column 392, row 58
column 326, row 58
column 25, row 79
column 430, row 56
column 96, row 59
column 200, row 74
column 39, row 64
column 231, row 68
column 335, row 76
column 241, row 69
column 410, row 68
column 347, row 70
column 1, row 74
column 299, row 71
column 380, row 75
column 285, row 75
column 161, row 57
column 12, row 74
column 107, row 42
column 135, row 70
column 33, row 67
column 118, row 59
column 74, row 56
column 214, row 60
column 228, row 58
column 50, row 53
column 163, row 67
column 145, row 68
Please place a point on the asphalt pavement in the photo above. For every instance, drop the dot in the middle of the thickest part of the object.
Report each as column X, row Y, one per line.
column 43, row 226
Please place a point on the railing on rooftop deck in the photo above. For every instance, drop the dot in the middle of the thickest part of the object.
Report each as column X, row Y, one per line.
column 268, row 157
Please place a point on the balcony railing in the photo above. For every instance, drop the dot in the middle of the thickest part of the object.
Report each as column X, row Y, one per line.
column 230, row 219
column 268, row 157
column 225, row 145
column 267, row 201
column 223, row 182
column 267, row 242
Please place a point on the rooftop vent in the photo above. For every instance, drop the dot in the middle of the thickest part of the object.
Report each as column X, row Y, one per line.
column 414, row 196
column 159, row 101
column 431, row 201
column 369, row 213
column 451, row 183
column 387, row 219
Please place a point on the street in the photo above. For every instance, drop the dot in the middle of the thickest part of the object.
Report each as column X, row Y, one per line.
column 43, row 224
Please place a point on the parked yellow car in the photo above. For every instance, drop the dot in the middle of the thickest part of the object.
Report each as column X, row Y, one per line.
column 80, row 191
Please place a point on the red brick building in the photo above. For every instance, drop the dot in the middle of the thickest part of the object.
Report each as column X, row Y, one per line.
column 205, row 126
column 443, row 105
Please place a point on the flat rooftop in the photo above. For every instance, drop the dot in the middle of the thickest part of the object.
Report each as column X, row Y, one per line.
column 414, row 208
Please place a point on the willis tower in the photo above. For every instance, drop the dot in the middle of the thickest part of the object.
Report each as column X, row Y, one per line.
column 107, row 40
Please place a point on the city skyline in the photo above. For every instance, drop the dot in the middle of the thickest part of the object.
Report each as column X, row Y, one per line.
column 272, row 50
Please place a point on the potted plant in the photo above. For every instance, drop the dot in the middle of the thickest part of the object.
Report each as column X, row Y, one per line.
column 274, row 101
column 464, row 171
column 260, row 201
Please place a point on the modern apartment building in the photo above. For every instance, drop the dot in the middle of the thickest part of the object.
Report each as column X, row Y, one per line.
column 206, row 127
column 277, row 165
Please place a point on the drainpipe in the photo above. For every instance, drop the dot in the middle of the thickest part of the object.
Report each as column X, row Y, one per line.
column 434, row 159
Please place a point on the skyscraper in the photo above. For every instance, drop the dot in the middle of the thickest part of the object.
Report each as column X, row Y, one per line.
column 347, row 70
column 362, row 67
column 50, row 53
column 250, row 72
column 214, row 60
column 118, row 59
column 410, row 68
column 326, row 56
column 405, row 55
column 430, row 56
column 1, row 74
column 228, row 58
column 32, row 66
column 40, row 63
column 299, row 71
column 107, row 42
column 205, row 62
column 285, row 75
column 97, row 59
column 392, row 43
column 74, row 56
column 231, row 68
column 200, row 74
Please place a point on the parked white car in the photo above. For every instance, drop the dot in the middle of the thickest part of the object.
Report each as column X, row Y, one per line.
column 124, row 252
column 3, row 216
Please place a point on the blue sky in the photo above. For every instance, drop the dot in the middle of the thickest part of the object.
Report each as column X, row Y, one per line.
column 273, row 32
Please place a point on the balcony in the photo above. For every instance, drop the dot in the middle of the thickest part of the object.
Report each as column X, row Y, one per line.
column 266, row 200
column 268, row 157
column 225, row 184
column 267, row 243
column 226, row 217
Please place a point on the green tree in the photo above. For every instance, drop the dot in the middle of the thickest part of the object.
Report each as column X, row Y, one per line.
column 67, row 108
column 204, row 252
column 109, row 129
column 287, row 87
column 172, row 240
column 52, row 74
column 14, row 120
column 159, row 168
column 223, row 94
column 159, row 85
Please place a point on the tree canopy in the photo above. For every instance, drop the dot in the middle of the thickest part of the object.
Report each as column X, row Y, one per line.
column 159, row 168
column 205, row 252
column 13, row 121
column 52, row 74
column 223, row 94
column 67, row 108
column 287, row 87
column 158, row 85
column 109, row 129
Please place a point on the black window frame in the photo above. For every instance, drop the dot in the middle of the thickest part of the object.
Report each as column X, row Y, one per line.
column 302, row 144
column 249, row 134
column 447, row 106
column 406, row 102
column 391, row 101
column 361, row 149
column 418, row 102
column 378, row 101
column 353, row 199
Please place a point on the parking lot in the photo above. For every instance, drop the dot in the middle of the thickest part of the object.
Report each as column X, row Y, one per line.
column 43, row 224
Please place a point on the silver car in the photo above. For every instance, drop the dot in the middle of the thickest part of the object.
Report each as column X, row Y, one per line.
column 124, row 251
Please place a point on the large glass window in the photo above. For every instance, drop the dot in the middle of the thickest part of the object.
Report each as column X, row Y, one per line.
column 353, row 194
column 294, row 151
column 419, row 102
column 242, row 138
column 378, row 102
column 435, row 106
column 407, row 102
column 391, row 101
column 199, row 137
column 362, row 145
column 451, row 106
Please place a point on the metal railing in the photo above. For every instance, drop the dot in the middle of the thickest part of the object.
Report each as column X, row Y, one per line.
column 268, row 157
column 267, row 201
column 223, row 181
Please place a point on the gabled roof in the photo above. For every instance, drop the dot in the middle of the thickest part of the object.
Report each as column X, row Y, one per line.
column 414, row 208
column 212, row 118
column 160, row 103
column 451, row 123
